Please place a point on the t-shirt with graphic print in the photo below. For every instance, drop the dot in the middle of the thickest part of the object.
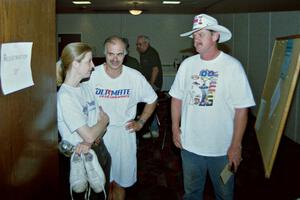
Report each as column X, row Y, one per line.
column 210, row 91
column 76, row 107
column 119, row 98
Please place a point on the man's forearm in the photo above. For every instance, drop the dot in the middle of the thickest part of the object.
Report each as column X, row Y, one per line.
column 154, row 75
column 240, row 123
column 147, row 112
column 175, row 111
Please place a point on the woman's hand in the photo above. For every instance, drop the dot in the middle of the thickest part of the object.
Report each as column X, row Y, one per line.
column 83, row 147
column 104, row 118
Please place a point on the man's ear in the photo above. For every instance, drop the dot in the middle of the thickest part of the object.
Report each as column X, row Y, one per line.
column 216, row 36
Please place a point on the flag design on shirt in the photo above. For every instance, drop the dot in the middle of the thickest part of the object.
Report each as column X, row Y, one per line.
column 203, row 87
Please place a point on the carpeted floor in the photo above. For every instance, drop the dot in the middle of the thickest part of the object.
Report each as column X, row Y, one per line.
column 160, row 173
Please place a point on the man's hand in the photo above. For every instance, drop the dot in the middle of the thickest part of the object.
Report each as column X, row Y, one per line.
column 134, row 126
column 176, row 137
column 234, row 156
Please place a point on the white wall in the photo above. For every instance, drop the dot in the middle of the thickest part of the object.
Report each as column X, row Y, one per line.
column 162, row 29
column 253, row 39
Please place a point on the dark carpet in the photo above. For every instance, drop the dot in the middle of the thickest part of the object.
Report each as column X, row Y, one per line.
column 160, row 173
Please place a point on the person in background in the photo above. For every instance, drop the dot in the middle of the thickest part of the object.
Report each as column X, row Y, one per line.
column 119, row 89
column 80, row 121
column 152, row 70
column 130, row 61
column 210, row 100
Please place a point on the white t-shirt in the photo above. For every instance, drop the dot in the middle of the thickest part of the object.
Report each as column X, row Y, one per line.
column 118, row 98
column 76, row 107
column 210, row 91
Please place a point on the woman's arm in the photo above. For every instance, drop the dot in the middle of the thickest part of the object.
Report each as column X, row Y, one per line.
column 90, row 134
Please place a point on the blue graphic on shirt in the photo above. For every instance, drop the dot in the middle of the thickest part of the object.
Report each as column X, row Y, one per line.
column 112, row 94
column 89, row 107
column 204, row 88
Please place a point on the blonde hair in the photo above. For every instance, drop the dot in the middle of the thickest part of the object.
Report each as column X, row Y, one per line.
column 71, row 52
column 59, row 73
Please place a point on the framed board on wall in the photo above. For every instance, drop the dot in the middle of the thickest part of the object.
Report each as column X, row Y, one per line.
column 277, row 96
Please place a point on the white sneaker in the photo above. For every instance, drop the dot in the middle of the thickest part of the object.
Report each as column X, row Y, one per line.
column 78, row 177
column 152, row 134
column 95, row 174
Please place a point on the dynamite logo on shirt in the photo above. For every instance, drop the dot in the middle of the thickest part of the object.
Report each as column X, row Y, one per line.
column 111, row 94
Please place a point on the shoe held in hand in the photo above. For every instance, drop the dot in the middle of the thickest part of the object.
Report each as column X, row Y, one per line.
column 78, row 176
column 95, row 174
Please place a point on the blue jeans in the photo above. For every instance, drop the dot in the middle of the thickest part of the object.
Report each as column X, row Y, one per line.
column 195, row 169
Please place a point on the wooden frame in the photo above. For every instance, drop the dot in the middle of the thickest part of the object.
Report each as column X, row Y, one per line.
column 277, row 96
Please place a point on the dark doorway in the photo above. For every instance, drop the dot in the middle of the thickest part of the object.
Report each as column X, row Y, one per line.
column 64, row 39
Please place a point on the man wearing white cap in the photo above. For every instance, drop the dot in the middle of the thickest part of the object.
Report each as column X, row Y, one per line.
column 210, row 100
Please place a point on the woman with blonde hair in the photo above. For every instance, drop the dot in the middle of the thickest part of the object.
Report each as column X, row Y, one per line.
column 80, row 121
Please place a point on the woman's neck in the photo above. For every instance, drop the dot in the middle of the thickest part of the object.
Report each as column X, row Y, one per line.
column 72, row 79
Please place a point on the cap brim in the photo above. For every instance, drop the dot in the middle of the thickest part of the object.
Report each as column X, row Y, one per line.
column 190, row 33
column 225, row 34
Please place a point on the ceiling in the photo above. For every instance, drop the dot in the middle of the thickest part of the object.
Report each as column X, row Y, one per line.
column 186, row 6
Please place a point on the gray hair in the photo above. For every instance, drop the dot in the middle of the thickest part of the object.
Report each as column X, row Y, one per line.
column 145, row 38
column 112, row 40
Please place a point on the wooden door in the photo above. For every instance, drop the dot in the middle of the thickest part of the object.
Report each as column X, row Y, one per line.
column 28, row 130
